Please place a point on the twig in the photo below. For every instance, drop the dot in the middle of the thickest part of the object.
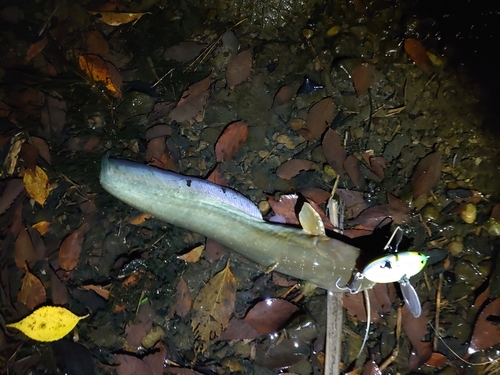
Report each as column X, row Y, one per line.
column 395, row 351
column 438, row 311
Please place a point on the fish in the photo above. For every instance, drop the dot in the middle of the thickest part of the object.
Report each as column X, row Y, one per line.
column 228, row 217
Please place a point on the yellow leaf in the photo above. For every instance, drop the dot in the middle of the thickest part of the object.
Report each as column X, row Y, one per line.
column 213, row 308
column 192, row 256
column 48, row 323
column 117, row 18
column 42, row 227
column 37, row 184
column 138, row 219
column 98, row 70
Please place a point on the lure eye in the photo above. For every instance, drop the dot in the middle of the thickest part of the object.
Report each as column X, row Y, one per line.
column 393, row 267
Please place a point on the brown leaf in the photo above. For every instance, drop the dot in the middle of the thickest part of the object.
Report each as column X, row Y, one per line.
column 130, row 365
column 437, row 360
column 486, row 333
column 35, row 49
column 159, row 130
column 58, row 288
column 54, row 113
column 32, row 292
column 214, row 250
column 293, row 167
column 417, row 53
column 155, row 149
column 43, row 148
column 284, row 95
column 371, row 368
column 238, row 329
column 382, row 296
column 184, row 51
column 362, row 77
column 183, row 299
column 138, row 219
column 156, row 360
column 29, row 154
column 117, row 18
column 233, row 136
column 192, row 101
column 320, row 116
column 98, row 289
column 96, row 43
column 333, row 149
column 495, row 212
column 351, row 166
column 378, row 164
column 213, row 307
column 354, row 202
column 10, row 193
column 271, row 315
column 426, row 174
column 24, row 253
column 217, row 176
column 135, row 332
column 316, row 195
column 69, row 252
column 415, row 329
column 238, row 70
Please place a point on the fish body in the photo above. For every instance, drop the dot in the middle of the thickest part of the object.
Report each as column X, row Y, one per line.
column 233, row 220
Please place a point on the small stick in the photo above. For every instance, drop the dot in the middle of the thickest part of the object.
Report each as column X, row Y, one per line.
column 395, row 351
column 438, row 311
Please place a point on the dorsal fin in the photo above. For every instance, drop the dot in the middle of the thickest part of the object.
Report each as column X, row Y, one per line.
column 311, row 221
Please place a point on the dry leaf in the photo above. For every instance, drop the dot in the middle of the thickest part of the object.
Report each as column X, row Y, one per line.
column 437, row 360
column 351, row 166
column 486, row 333
column 99, row 70
column 214, row 250
column 130, row 365
column 415, row 329
column 159, row 130
column 293, row 167
column 138, row 219
column 284, row 95
column 320, row 116
column 213, row 307
column 362, row 77
column 381, row 298
column 37, row 184
column 10, row 193
column 69, row 252
column 117, row 18
column 270, row 315
column 42, row 227
column 238, row 70
column 193, row 255
column 417, row 53
column 54, row 113
column 42, row 146
column 24, row 253
column 32, row 292
column 29, row 154
column 334, row 151
column 217, row 176
column 426, row 174
column 233, row 136
column 48, row 323
column 192, row 101
column 98, row 289
column 183, row 299
column 378, row 165
column 184, row 51
column 35, row 49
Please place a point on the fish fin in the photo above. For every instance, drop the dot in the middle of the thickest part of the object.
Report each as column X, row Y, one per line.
column 311, row 221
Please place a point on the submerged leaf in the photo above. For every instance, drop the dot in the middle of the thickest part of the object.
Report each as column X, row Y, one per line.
column 486, row 333
column 117, row 18
column 69, row 253
column 293, row 167
column 320, row 116
column 32, row 292
column 284, row 94
column 238, row 70
column 426, row 174
column 271, row 315
column 99, row 70
column 362, row 77
column 233, row 136
column 417, row 53
column 334, row 151
column 213, row 307
column 48, row 323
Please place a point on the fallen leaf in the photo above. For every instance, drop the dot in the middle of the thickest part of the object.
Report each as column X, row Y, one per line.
column 284, row 95
column 417, row 53
column 42, row 227
column 35, row 49
column 96, row 43
column 371, row 368
column 270, row 315
column 156, row 361
column 486, row 333
column 42, row 146
column 193, row 255
column 69, row 252
column 495, row 212
column 159, row 130
column 238, row 70
column 382, row 296
column 32, row 293
column 230, row 141
column 37, row 184
column 320, row 116
column 354, row 202
column 130, row 365
column 293, row 167
column 98, row 289
column 99, row 70
column 351, row 166
column 24, row 253
column 213, row 307
column 138, row 219
column 316, row 195
column 12, row 190
column 238, row 329
column 378, row 164
column 415, row 329
column 437, row 360
column 217, row 176
column 48, row 323
column 334, row 151
column 192, row 101
column 136, row 331
column 54, row 113
column 117, row 18
column 184, row 51
column 362, row 77
column 183, row 299
column 29, row 154
column 155, row 149
column 214, row 250
column 426, row 174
